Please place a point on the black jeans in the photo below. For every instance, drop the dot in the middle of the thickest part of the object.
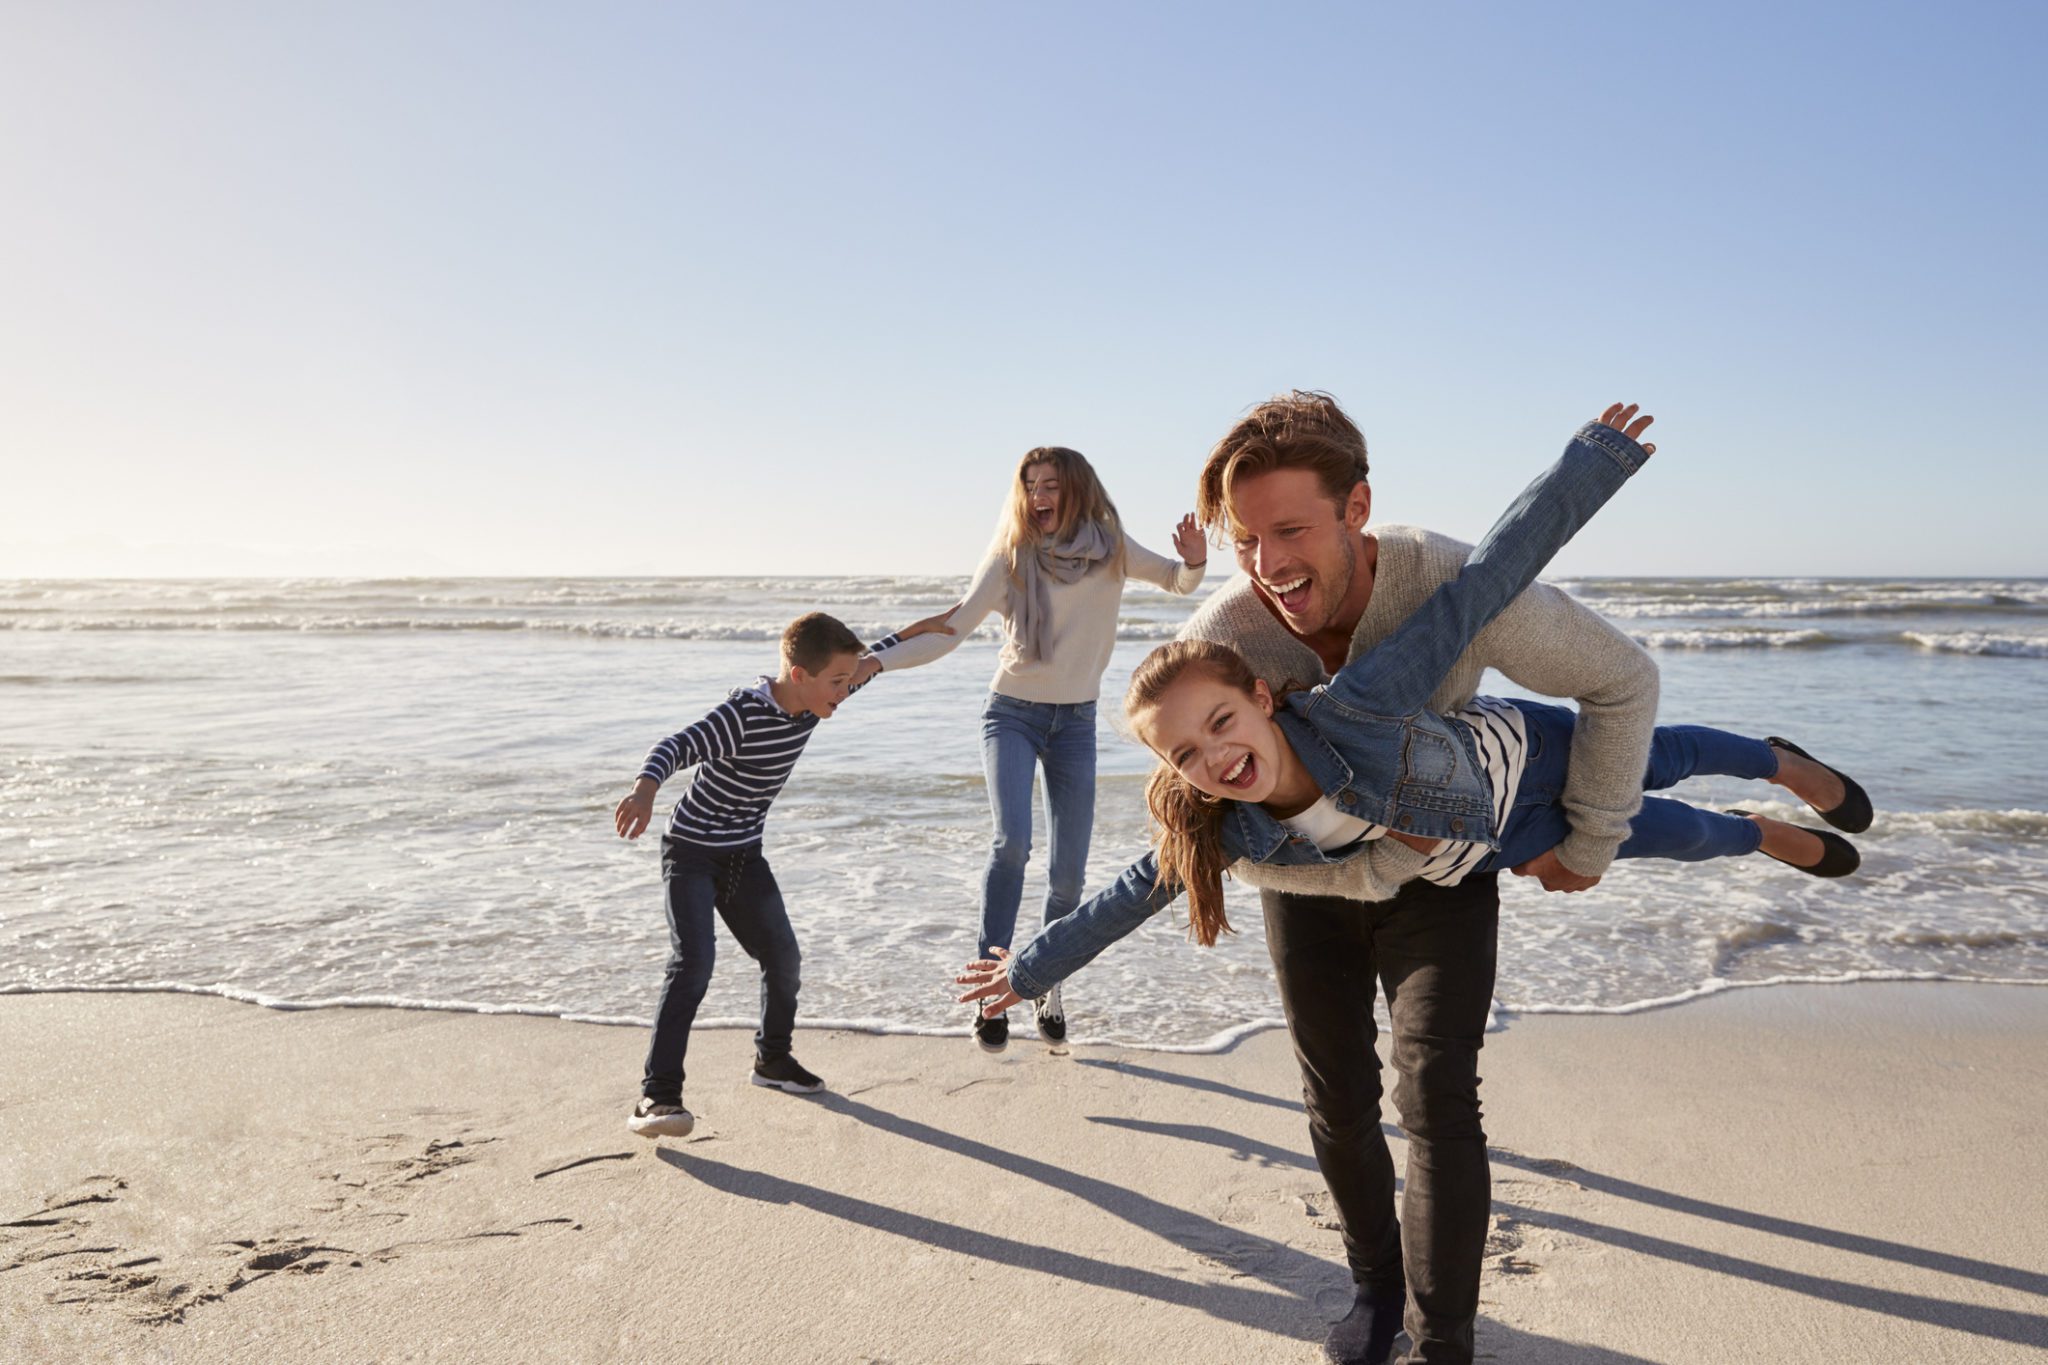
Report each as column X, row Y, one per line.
column 1432, row 949
column 739, row 885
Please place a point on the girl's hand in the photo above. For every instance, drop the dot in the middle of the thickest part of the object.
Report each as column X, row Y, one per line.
column 991, row 982
column 1187, row 539
column 931, row 625
column 1624, row 420
column 635, row 810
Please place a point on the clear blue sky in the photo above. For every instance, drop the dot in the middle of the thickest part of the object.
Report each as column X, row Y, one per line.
column 640, row 288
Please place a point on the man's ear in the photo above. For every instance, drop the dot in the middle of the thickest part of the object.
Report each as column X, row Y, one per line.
column 1358, row 507
column 1263, row 695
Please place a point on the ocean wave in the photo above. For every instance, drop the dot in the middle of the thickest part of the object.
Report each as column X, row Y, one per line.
column 1128, row 628
column 2015, row 823
column 80, row 679
column 366, row 625
column 1815, row 608
column 1982, row 642
column 1736, row 639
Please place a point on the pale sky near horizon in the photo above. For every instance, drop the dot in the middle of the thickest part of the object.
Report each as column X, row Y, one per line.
column 432, row 288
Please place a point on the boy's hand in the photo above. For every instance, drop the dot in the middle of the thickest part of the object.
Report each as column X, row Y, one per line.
column 931, row 625
column 636, row 810
column 1624, row 420
column 991, row 982
column 1189, row 542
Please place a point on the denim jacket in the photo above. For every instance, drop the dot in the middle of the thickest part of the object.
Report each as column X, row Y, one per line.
column 1367, row 736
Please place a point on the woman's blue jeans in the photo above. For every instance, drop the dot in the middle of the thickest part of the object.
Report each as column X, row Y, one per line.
column 1663, row 828
column 1016, row 737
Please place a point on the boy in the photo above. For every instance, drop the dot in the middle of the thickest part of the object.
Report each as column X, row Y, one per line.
column 711, row 855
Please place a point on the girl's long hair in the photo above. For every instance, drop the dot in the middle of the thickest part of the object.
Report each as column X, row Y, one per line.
column 1187, row 822
column 1081, row 499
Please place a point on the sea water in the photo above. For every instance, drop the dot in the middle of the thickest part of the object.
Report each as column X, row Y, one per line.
column 314, row 792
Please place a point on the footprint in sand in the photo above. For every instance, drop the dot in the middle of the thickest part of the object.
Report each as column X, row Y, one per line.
column 94, row 1273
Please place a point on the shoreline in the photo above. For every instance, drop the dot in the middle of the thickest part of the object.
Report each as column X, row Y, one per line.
column 1851, row 1168
column 1499, row 1017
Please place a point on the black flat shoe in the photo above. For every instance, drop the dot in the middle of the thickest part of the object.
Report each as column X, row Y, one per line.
column 1838, row 857
column 1853, row 815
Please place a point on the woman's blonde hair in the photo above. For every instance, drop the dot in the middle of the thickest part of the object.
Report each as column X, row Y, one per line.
column 1188, row 822
column 1082, row 499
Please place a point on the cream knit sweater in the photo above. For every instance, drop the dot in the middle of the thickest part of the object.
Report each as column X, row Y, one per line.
column 1544, row 641
column 1080, row 629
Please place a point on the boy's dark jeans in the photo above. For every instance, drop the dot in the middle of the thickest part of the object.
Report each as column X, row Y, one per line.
column 737, row 883
column 1432, row 949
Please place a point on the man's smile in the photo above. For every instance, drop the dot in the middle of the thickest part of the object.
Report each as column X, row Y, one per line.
column 1292, row 595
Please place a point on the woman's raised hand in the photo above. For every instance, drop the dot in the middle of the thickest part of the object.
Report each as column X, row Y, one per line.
column 931, row 625
column 989, row 978
column 1622, row 417
column 1190, row 543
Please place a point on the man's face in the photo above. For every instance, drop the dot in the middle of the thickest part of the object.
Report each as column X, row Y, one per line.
column 820, row 693
column 1300, row 548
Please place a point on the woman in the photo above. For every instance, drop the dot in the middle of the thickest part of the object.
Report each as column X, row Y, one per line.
column 1056, row 572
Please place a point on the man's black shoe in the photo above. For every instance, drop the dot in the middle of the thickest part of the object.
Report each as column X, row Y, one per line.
column 1365, row 1335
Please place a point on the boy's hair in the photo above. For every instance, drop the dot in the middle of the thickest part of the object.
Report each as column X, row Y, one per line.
column 1300, row 429
column 813, row 640
column 1188, row 823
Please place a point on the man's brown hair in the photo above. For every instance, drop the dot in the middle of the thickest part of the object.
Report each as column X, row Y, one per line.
column 814, row 640
column 1300, row 429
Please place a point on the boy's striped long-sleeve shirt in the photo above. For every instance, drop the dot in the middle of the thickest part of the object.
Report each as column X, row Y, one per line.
column 743, row 751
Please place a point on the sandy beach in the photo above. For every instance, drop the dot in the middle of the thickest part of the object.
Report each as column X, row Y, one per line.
column 1803, row 1173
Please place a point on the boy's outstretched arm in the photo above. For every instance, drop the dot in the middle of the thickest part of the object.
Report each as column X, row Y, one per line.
column 1397, row 676
column 864, row 673
column 717, row 735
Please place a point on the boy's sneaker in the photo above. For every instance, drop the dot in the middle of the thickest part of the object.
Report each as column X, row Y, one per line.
column 786, row 1073
column 659, row 1118
column 1051, row 1015
column 992, row 1034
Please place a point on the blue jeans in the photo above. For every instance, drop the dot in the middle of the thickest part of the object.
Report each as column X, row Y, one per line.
column 1663, row 828
column 1017, row 736
column 739, row 885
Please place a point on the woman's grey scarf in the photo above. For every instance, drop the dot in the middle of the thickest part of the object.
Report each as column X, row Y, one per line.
column 1065, row 561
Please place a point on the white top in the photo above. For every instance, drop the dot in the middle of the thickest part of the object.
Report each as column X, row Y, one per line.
column 1503, row 744
column 1079, row 632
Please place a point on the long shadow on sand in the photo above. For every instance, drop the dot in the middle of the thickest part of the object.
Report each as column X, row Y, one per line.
column 1997, row 1323
column 1963, row 1267
column 1283, row 1314
column 1946, row 1263
column 1305, row 1293
column 1300, row 1279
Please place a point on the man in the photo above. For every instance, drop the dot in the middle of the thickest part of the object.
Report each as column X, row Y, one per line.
column 1289, row 485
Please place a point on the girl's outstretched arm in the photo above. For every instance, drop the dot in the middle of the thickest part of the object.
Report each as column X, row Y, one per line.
column 1397, row 676
column 1072, row 941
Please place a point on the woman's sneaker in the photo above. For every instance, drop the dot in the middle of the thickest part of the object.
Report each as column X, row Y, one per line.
column 1051, row 1015
column 786, row 1073
column 992, row 1034
column 658, row 1118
